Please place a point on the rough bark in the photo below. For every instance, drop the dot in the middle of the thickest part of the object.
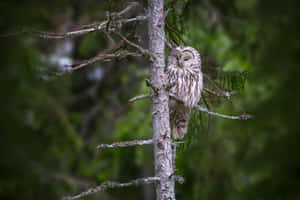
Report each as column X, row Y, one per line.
column 160, row 110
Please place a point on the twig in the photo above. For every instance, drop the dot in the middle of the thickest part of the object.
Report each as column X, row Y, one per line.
column 125, row 144
column 169, row 42
column 127, row 9
column 134, row 19
column 225, row 94
column 173, row 39
column 105, row 57
column 179, row 179
column 101, row 56
column 150, row 84
column 205, row 102
column 145, row 52
column 240, row 117
column 171, row 30
column 110, row 184
column 143, row 96
column 216, row 84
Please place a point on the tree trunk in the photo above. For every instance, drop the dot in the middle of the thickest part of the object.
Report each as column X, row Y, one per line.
column 160, row 109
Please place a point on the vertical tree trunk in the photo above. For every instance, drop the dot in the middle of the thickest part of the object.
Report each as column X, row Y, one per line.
column 160, row 110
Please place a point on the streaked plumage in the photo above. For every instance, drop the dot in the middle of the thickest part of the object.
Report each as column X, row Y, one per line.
column 185, row 77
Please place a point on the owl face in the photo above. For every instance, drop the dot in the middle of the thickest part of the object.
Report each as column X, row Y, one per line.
column 187, row 57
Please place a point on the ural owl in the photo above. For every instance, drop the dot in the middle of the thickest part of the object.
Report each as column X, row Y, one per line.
column 186, row 81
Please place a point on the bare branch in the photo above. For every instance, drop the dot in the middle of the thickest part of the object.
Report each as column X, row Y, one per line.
column 110, row 184
column 145, row 52
column 84, row 29
column 240, row 117
column 104, row 57
column 143, row 96
column 125, row 144
column 134, row 19
column 128, row 8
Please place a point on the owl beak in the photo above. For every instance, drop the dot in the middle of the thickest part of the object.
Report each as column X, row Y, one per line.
column 179, row 60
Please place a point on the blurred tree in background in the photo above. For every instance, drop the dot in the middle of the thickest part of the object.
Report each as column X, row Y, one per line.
column 51, row 126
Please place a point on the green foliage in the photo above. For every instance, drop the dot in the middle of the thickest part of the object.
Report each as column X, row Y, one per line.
column 247, row 46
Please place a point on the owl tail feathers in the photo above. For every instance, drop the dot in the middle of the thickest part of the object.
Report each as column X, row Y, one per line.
column 179, row 129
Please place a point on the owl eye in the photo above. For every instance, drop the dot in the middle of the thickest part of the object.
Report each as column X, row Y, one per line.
column 186, row 58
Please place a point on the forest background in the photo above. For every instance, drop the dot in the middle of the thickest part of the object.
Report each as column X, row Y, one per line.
column 51, row 125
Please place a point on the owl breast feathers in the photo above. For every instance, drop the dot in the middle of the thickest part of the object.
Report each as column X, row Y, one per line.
column 186, row 80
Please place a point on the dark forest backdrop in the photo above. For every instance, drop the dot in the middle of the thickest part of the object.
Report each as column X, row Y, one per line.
column 51, row 125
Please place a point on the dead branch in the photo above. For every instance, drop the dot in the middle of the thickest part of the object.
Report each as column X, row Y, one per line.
column 240, row 117
column 168, row 42
column 125, row 144
column 133, row 19
column 202, row 109
column 171, row 31
column 110, row 184
column 143, row 96
column 205, row 102
column 145, row 52
column 132, row 143
column 131, row 6
column 98, row 26
column 105, row 57
column 153, row 87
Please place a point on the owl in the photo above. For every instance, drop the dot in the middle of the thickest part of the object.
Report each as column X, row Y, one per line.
column 186, row 81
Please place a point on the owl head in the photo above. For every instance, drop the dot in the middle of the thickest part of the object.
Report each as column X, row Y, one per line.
column 187, row 58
